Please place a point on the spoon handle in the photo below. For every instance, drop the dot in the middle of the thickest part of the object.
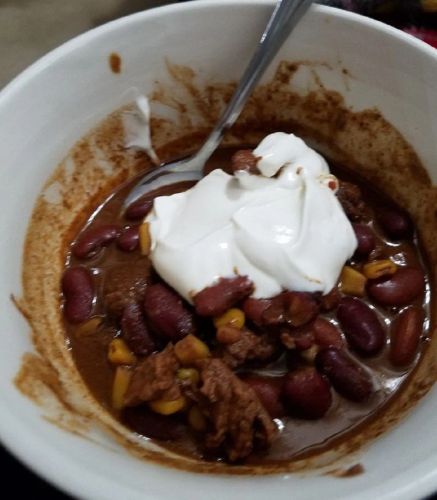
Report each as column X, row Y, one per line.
column 286, row 15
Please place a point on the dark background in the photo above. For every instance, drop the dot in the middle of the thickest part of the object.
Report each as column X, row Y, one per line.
column 23, row 483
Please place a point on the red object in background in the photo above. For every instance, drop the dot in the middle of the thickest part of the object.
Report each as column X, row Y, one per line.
column 427, row 35
column 416, row 17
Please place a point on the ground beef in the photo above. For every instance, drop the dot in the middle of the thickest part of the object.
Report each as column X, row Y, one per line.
column 124, row 284
column 154, row 378
column 240, row 423
column 331, row 300
column 291, row 308
column 245, row 160
column 250, row 347
column 297, row 338
column 349, row 195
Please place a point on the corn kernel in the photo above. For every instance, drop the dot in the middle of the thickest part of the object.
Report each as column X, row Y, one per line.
column 89, row 327
column 196, row 419
column 379, row 268
column 120, row 354
column 190, row 349
column 309, row 355
column 164, row 407
column 352, row 282
column 120, row 385
column 145, row 240
column 232, row 317
column 190, row 375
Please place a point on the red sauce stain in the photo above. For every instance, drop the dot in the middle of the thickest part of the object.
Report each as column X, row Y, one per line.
column 353, row 471
column 115, row 62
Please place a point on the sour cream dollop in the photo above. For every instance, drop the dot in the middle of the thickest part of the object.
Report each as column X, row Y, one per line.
column 284, row 229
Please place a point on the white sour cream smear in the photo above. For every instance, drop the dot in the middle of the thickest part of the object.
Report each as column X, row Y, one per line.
column 284, row 229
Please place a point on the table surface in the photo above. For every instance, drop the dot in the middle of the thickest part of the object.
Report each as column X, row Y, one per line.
column 31, row 28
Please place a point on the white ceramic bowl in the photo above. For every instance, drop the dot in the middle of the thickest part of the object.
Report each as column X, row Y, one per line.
column 53, row 103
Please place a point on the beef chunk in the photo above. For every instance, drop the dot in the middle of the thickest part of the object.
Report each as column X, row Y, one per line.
column 244, row 160
column 240, row 422
column 250, row 347
column 125, row 283
column 320, row 332
column 154, row 378
column 288, row 308
column 349, row 195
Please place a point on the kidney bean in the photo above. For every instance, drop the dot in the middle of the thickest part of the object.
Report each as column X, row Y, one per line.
column 326, row 334
column 268, row 390
column 139, row 208
column 395, row 223
column 274, row 314
column 93, row 239
column 216, row 299
column 361, row 326
column 166, row 312
column 306, row 393
column 255, row 308
column 407, row 284
column 405, row 333
column 129, row 238
column 366, row 240
column 78, row 290
column 147, row 423
column 347, row 377
column 135, row 332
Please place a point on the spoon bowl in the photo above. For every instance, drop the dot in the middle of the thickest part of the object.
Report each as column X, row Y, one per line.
column 285, row 16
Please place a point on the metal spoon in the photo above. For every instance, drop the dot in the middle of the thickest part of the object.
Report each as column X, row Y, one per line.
column 285, row 17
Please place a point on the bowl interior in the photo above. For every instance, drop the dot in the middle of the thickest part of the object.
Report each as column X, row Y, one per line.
column 51, row 105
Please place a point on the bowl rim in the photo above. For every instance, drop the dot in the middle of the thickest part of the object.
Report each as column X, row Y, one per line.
column 26, row 446
column 43, row 62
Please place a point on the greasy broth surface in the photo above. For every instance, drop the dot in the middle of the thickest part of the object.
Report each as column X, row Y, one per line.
column 298, row 437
